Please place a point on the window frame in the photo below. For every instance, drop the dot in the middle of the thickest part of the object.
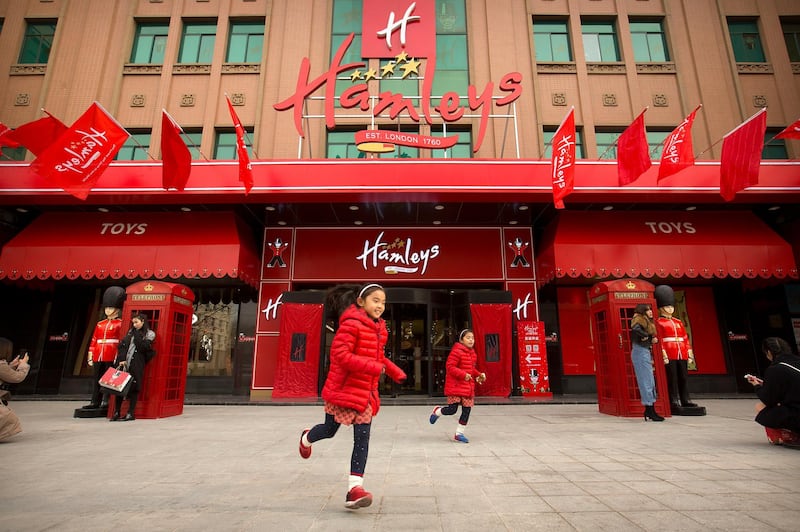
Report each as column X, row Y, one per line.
column 135, row 145
column 230, row 133
column 759, row 54
column 233, row 25
column 202, row 51
column 588, row 23
column 158, row 39
column 649, row 37
column 30, row 40
column 548, row 36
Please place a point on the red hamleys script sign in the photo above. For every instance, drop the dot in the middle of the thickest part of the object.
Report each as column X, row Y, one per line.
column 395, row 29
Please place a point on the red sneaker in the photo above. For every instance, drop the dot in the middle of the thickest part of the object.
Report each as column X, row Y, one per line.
column 305, row 451
column 357, row 497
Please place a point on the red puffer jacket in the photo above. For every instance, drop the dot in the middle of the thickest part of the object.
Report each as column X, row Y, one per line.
column 461, row 361
column 357, row 360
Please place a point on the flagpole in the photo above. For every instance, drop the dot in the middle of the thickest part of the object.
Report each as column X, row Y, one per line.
column 571, row 109
column 731, row 131
column 191, row 141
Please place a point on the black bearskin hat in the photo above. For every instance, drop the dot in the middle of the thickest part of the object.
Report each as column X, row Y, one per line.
column 665, row 296
column 114, row 297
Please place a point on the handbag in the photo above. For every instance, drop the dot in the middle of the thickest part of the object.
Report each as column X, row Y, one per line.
column 116, row 381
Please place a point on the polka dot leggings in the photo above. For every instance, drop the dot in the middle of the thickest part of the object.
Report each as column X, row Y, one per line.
column 450, row 409
column 358, row 460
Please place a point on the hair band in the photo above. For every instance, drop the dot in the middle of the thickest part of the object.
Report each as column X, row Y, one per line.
column 462, row 333
column 367, row 287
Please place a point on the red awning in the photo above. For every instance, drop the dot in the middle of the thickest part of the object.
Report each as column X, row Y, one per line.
column 148, row 245
column 663, row 244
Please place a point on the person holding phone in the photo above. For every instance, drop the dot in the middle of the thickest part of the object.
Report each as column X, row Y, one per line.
column 778, row 408
column 12, row 371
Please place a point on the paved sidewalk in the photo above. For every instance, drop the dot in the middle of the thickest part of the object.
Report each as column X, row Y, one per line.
column 528, row 467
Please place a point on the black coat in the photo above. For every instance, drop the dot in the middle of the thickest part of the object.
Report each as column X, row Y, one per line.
column 143, row 342
column 781, row 394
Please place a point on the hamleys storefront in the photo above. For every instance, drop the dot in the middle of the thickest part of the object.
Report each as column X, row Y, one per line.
column 452, row 148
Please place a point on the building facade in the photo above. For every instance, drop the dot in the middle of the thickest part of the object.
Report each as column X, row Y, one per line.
column 410, row 149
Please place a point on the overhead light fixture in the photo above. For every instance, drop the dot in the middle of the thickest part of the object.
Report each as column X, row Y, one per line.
column 513, row 222
column 774, row 208
column 439, row 207
column 270, row 208
column 186, row 209
column 358, row 222
column 23, row 210
column 523, row 207
column 691, row 208
column 353, row 207
column 281, row 222
column 437, row 222
column 608, row 208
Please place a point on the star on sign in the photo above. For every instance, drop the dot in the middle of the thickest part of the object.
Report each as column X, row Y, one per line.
column 356, row 75
column 371, row 74
column 409, row 67
column 388, row 68
column 401, row 58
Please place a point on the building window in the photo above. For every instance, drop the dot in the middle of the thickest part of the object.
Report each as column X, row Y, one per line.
column 401, row 152
column 346, row 20
column 37, row 42
column 776, row 149
column 550, row 131
column 452, row 54
column 149, row 43
column 551, row 40
column 791, row 35
column 245, row 42
column 192, row 137
column 746, row 41
column 14, row 154
column 462, row 148
column 655, row 142
column 599, row 42
column 197, row 43
column 341, row 145
column 225, row 144
column 136, row 147
column 607, row 143
column 649, row 42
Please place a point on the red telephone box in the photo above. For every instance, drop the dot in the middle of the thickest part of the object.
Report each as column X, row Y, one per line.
column 168, row 307
column 611, row 305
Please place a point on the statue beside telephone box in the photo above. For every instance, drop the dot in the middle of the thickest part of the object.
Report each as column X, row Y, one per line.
column 169, row 309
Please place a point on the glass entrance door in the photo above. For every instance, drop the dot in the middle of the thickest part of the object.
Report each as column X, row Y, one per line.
column 406, row 347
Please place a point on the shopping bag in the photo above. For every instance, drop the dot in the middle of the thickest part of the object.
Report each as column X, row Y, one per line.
column 116, row 381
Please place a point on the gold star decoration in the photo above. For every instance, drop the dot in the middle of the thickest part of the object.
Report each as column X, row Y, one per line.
column 409, row 67
column 401, row 58
column 371, row 74
column 388, row 68
column 356, row 75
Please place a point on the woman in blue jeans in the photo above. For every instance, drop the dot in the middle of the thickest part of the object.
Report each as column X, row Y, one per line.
column 643, row 335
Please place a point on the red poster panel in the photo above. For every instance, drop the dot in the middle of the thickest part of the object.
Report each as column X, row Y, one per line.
column 269, row 303
column 264, row 361
column 297, row 369
column 277, row 260
column 518, row 249
column 400, row 254
column 492, row 326
column 533, row 373
column 391, row 27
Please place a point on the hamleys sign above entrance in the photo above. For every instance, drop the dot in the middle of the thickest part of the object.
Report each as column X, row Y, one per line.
column 404, row 31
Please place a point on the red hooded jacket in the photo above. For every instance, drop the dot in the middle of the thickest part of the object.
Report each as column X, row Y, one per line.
column 357, row 360
column 460, row 361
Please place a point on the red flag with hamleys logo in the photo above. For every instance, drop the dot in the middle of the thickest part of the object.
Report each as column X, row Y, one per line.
column 562, row 164
column 678, row 152
column 791, row 132
column 77, row 159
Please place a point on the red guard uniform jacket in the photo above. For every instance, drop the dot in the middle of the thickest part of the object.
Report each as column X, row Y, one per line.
column 460, row 361
column 673, row 338
column 357, row 361
column 105, row 340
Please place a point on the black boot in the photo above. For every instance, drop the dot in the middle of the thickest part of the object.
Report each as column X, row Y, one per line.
column 651, row 414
